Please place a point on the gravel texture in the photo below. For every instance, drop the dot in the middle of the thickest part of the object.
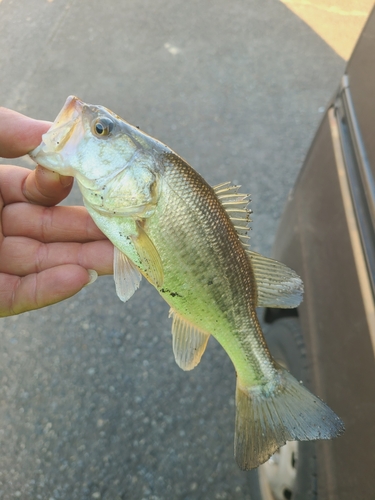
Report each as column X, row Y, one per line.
column 92, row 404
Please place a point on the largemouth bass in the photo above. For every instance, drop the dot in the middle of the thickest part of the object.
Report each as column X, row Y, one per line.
column 189, row 240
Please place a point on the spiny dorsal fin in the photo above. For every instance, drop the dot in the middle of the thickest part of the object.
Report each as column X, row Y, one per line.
column 236, row 206
column 189, row 343
column 126, row 275
column 277, row 284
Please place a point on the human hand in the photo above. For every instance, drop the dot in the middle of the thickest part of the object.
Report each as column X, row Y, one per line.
column 47, row 252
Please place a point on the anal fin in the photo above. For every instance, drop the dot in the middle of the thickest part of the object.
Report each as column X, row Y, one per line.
column 189, row 343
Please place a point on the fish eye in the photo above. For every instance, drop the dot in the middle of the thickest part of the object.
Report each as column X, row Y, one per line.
column 102, row 127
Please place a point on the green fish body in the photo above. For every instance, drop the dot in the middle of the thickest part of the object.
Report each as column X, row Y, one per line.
column 189, row 240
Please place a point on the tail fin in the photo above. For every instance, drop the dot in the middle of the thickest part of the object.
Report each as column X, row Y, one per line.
column 270, row 415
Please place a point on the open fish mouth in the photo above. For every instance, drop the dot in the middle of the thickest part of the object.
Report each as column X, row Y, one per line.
column 62, row 129
column 64, row 125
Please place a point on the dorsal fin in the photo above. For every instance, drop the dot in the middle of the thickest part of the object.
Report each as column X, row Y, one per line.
column 236, row 206
column 277, row 284
column 189, row 343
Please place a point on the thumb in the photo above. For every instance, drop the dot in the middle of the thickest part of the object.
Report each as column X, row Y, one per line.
column 47, row 188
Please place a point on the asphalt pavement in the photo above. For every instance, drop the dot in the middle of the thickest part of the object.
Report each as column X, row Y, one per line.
column 92, row 404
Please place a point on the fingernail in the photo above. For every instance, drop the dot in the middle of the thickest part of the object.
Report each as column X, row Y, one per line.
column 65, row 181
column 92, row 275
column 51, row 175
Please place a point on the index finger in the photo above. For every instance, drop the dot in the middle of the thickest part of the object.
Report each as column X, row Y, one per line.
column 19, row 134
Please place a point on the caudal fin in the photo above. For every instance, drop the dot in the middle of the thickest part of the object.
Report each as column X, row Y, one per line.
column 268, row 416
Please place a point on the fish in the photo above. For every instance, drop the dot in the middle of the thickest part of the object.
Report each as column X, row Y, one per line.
column 190, row 241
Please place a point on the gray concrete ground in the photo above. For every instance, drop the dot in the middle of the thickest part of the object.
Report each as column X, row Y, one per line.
column 92, row 404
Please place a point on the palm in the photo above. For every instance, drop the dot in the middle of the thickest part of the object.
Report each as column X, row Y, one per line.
column 45, row 250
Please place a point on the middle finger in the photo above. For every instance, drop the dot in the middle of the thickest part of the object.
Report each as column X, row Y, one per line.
column 49, row 224
column 22, row 256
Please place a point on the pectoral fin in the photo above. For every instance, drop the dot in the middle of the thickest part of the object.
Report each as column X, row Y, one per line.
column 126, row 275
column 189, row 343
column 277, row 284
column 152, row 266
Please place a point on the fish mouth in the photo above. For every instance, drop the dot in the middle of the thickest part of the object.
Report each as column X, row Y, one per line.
column 55, row 139
column 64, row 125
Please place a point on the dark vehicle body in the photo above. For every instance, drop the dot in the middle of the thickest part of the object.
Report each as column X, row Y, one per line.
column 327, row 234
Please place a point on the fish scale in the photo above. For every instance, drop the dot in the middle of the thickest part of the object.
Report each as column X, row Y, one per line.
column 189, row 241
column 217, row 252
